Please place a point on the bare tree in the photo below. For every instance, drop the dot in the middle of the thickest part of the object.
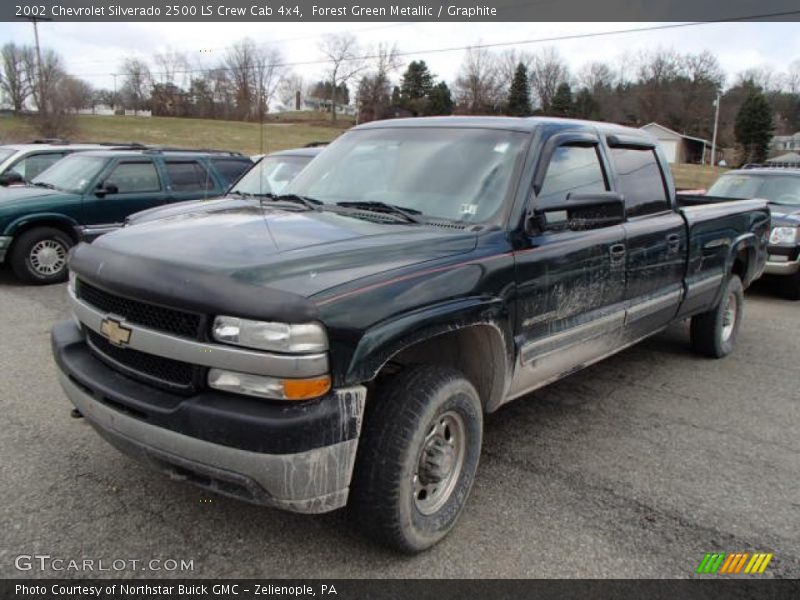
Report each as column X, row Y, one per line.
column 44, row 78
column 374, row 89
column 287, row 90
column 14, row 81
column 173, row 68
column 342, row 53
column 137, row 83
column 547, row 72
column 268, row 74
column 75, row 94
column 478, row 86
column 596, row 77
column 507, row 65
column 792, row 78
column 764, row 77
column 240, row 63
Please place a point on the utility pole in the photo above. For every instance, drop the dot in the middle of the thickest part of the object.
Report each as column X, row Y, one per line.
column 714, row 138
column 42, row 100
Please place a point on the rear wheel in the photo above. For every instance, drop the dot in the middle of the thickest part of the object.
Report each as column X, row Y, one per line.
column 417, row 458
column 714, row 332
column 39, row 256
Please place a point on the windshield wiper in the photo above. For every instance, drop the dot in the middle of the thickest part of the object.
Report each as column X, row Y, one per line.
column 309, row 203
column 409, row 214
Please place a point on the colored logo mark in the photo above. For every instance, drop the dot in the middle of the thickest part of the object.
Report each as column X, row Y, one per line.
column 734, row 563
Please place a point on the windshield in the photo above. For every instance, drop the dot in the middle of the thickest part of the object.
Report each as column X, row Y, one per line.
column 271, row 175
column 5, row 153
column 449, row 173
column 73, row 174
column 778, row 189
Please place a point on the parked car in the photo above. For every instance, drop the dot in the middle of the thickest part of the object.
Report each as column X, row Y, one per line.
column 267, row 177
column 340, row 344
column 90, row 193
column 20, row 163
column 780, row 187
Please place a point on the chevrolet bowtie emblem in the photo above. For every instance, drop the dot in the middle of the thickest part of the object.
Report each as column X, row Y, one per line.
column 116, row 332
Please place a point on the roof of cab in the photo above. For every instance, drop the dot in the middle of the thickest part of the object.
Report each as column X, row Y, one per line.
column 525, row 124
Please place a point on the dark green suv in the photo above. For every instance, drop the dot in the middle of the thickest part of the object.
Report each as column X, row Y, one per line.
column 90, row 193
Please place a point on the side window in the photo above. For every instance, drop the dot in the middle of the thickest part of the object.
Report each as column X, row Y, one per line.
column 30, row 166
column 641, row 181
column 572, row 169
column 230, row 169
column 134, row 177
column 188, row 176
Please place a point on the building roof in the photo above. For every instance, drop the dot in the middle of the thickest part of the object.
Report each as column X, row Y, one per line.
column 675, row 133
column 789, row 157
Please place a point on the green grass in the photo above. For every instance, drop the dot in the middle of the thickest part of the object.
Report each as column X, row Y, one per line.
column 279, row 132
column 695, row 176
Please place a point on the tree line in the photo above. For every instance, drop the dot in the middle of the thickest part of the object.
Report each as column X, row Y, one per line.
column 675, row 89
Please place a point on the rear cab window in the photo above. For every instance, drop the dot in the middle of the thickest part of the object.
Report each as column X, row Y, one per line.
column 641, row 181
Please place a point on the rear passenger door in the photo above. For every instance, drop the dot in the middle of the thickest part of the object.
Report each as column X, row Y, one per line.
column 137, row 186
column 656, row 236
column 188, row 179
column 570, row 283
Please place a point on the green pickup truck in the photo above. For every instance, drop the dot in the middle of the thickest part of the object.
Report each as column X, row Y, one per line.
column 90, row 193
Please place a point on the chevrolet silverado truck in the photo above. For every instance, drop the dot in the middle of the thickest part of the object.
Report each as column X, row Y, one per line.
column 339, row 344
column 86, row 194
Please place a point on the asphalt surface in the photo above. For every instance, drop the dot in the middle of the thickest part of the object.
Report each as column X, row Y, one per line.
column 634, row 467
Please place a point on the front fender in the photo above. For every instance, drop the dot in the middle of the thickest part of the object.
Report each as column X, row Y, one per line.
column 386, row 339
column 14, row 226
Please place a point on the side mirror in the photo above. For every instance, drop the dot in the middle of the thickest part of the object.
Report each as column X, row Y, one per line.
column 578, row 212
column 106, row 188
column 11, row 178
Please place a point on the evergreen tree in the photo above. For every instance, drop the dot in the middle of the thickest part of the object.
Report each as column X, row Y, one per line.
column 753, row 129
column 562, row 106
column 415, row 87
column 519, row 98
column 586, row 106
column 440, row 100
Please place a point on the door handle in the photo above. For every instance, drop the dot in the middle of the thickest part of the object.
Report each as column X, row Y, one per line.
column 673, row 242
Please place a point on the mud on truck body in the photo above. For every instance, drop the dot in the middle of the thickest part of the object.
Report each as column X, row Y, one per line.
column 341, row 344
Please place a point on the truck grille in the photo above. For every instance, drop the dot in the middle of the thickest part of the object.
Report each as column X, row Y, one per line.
column 166, row 373
column 173, row 321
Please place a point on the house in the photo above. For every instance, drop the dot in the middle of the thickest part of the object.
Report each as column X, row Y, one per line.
column 680, row 148
column 782, row 143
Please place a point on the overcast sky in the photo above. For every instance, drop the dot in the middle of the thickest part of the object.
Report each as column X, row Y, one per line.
column 93, row 51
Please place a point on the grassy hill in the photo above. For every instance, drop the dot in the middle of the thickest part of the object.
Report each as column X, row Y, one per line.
column 279, row 132
column 286, row 130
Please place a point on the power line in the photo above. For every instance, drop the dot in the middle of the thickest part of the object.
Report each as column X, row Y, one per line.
column 548, row 39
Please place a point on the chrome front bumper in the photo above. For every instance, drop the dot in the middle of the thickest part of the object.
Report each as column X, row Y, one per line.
column 782, row 268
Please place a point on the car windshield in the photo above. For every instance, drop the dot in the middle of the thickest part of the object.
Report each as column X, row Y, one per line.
column 73, row 174
column 775, row 188
column 449, row 173
column 270, row 175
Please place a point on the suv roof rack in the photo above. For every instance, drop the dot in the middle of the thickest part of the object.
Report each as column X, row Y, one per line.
column 159, row 149
column 53, row 141
column 773, row 165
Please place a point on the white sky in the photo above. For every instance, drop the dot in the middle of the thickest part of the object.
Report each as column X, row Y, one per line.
column 93, row 51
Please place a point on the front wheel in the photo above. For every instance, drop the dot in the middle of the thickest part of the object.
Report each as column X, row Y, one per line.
column 39, row 256
column 714, row 332
column 417, row 458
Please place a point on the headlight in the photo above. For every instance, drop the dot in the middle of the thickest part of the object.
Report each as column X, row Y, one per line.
column 783, row 236
column 268, row 387
column 277, row 337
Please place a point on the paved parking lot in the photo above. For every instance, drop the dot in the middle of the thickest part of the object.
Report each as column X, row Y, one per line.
column 632, row 468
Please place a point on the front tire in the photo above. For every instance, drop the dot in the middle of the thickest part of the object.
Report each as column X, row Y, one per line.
column 714, row 332
column 39, row 256
column 417, row 458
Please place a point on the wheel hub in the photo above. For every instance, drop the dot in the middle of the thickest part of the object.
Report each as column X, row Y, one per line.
column 48, row 257
column 729, row 317
column 438, row 459
column 440, row 462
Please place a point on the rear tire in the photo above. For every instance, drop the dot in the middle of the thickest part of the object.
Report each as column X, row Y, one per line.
column 713, row 333
column 789, row 286
column 417, row 458
column 39, row 256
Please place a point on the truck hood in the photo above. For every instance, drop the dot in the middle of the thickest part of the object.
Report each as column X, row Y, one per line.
column 296, row 251
column 189, row 207
column 785, row 216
